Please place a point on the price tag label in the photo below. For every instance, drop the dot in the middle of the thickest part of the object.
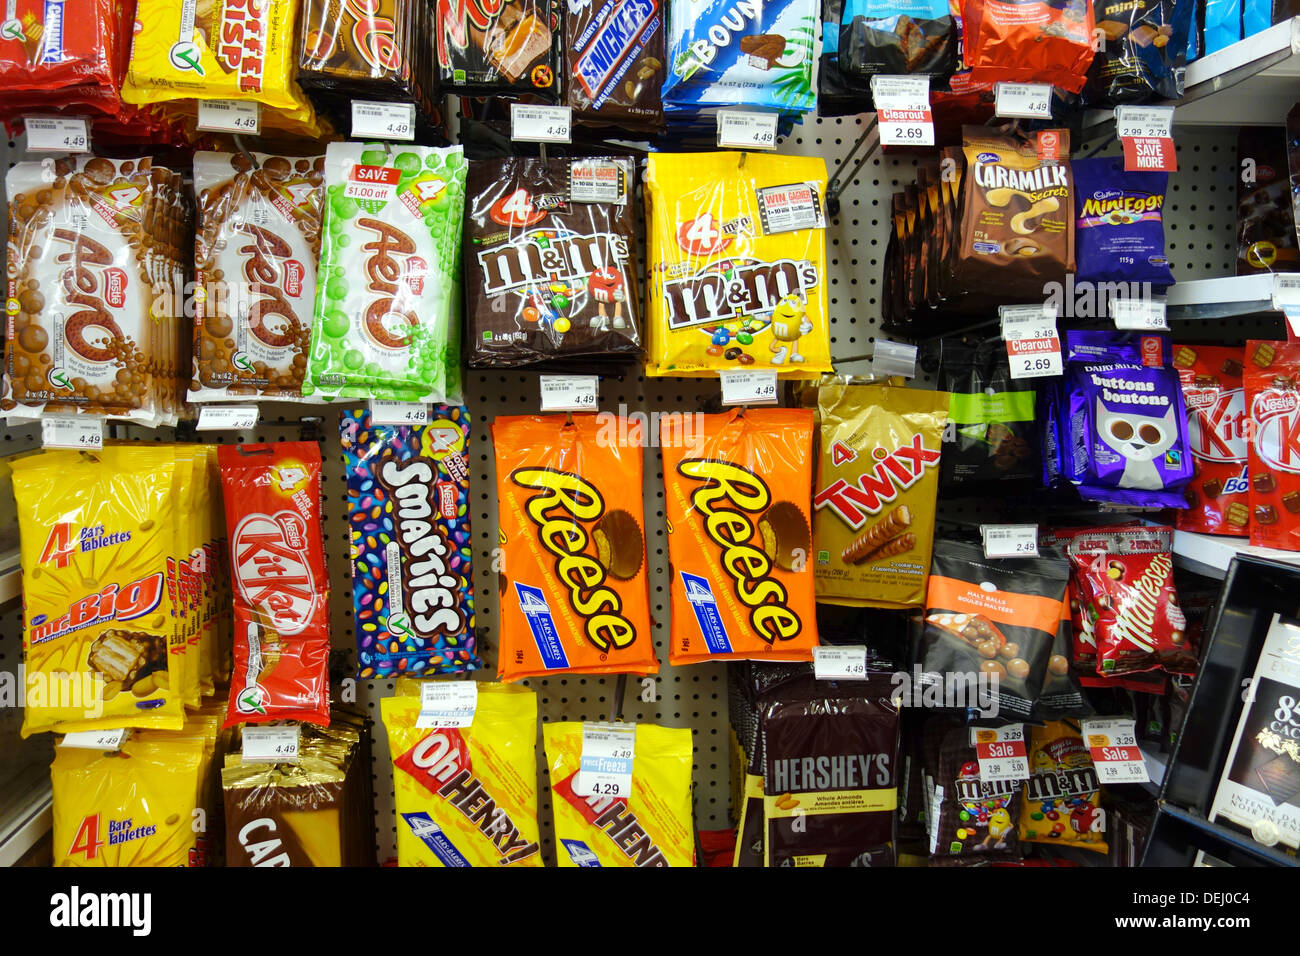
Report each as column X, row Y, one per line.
column 57, row 134
column 1140, row 315
column 371, row 120
column 95, row 739
column 1146, row 133
column 569, row 393
column 1024, row 100
column 746, row 129
column 608, row 752
column 748, row 388
column 1010, row 540
column 903, row 110
column 1001, row 752
column 1286, row 291
column 1114, row 748
column 215, row 418
column 1033, row 345
column 449, row 703
column 540, row 124
column 230, row 116
column 840, row 663
column 68, row 431
column 277, row 744
column 384, row 412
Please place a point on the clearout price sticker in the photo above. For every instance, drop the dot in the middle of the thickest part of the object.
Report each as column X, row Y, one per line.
column 1114, row 748
column 608, row 752
column 57, row 134
column 383, row 120
column 230, row 116
column 1033, row 345
column 748, row 388
column 1010, row 540
column 903, row 110
column 272, row 744
column 746, row 129
column 540, row 124
column 1146, row 133
column 846, row 662
column 385, row 412
column 1001, row 752
column 1024, row 100
column 569, row 393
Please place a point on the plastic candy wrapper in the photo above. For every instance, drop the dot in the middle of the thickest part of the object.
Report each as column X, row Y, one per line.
column 500, row 48
column 614, row 51
column 1272, row 371
column 893, row 37
column 255, row 260
column 1042, row 41
column 466, row 796
column 994, row 441
column 1062, row 798
column 1218, row 497
column 724, row 54
column 1143, row 56
column 384, row 310
column 408, row 508
column 281, row 592
column 1268, row 238
column 70, row 53
column 737, row 264
column 573, row 591
column 650, row 827
column 971, row 821
column 736, row 500
column 1119, row 225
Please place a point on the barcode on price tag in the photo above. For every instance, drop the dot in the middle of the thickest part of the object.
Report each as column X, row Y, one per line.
column 277, row 744
column 213, row 418
column 384, row 412
column 57, row 134
column 230, row 116
column 1141, row 315
column 540, row 124
column 903, row 110
column 1146, row 133
column 67, row 431
column 1114, row 748
column 1001, row 752
column 608, row 752
column 449, row 703
column 95, row 739
column 569, row 393
column 1010, row 540
column 1033, row 345
column 746, row 129
column 1286, row 291
column 372, row 120
column 748, row 388
column 1025, row 100
column 840, row 663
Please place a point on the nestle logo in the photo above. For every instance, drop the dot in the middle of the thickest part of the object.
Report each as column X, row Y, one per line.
column 293, row 276
column 1200, row 398
column 115, row 287
column 1275, row 404
column 1101, row 195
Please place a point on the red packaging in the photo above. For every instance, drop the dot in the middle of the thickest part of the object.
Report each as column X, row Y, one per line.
column 1083, row 645
column 1273, row 398
column 1039, row 41
column 1217, row 495
column 69, row 51
column 281, row 593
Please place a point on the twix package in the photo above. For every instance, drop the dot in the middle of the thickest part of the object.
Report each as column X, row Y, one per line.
column 877, row 480
column 1218, row 495
column 573, row 570
column 1272, row 370
column 737, row 492
column 277, row 564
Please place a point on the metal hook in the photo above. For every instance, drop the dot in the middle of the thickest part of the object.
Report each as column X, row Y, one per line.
column 616, row 706
column 239, row 145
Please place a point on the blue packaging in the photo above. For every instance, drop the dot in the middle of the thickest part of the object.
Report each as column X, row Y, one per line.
column 1119, row 231
column 1256, row 15
column 1222, row 24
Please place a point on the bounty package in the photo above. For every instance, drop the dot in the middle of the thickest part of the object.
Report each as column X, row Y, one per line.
column 1119, row 230
column 281, row 592
column 572, row 587
column 385, row 322
column 465, row 795
column 994, row 438
column 1273, row 403
column 640, row 814
column 739, row 540
column 874, row 499
column 549, row 255
column 1062, row 798
column 1218, row 496
column 408, row 507
column 737, row 264
column 614, row 51
column 255, row 255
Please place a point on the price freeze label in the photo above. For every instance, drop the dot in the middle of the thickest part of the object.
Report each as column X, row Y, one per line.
column 540, row 124
column 1114, row 748
column 608, row 752
column 371, row 120
column 215, row 418
column 1033, row 345
column 278, row 744
column 1001, row 752
column 746, row 129
column 1010, row 540
column 1024, row 100
column 95, row 739
column 903, row 110
column 57, row 134
column 748, row 388
column 384, row 412
column 569, row 393
column 66, row 431
column 1146, row 133
column 449, row 703
column 1139, row 315
column 840, row 663
column 230, row 116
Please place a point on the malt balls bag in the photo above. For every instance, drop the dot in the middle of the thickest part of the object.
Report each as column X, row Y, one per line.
column 736, row 502
column 874, row 500
column 573, row 570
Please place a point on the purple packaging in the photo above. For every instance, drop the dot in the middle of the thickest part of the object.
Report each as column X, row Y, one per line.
column 1119, row 233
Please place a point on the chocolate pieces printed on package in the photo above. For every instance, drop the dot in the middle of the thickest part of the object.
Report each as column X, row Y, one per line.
column 993, row 443
column 1272, row 380
column 971, row 820
column 614, row 51
column 485, row 47
column 1119, row 229
column 1217, row 416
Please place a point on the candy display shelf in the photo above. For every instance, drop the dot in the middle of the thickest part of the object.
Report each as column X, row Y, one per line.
column 1210, row 554
column 1231, row 296
column 25, row 814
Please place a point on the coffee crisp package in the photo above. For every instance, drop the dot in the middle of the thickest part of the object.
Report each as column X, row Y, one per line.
column 1218, row 495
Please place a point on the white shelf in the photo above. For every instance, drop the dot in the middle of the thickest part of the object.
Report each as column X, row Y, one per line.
column 1210, row 554
column 29, row 817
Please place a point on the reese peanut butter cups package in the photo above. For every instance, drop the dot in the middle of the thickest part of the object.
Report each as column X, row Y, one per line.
column 738, row 535
column 1273, row 401
column 874, row 500
column 573, row 591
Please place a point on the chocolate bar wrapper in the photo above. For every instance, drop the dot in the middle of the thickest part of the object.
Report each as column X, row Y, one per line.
column 1062, row 797
column 614, row 51
column 994, row 445
column 500, row 48
column 1272, row 370
column 408, row 508
column 1126, row 69
column 1218, row 496
column 918, row 37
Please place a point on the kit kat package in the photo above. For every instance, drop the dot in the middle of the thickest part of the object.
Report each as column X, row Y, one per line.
column 736, row 501
column 1272, row 381
column 493, row 48
column 1218, row 495
column 572, row 586
column 614, row 51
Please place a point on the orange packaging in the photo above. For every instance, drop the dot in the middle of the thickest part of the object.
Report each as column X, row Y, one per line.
column 738, row 489
column 573, row 569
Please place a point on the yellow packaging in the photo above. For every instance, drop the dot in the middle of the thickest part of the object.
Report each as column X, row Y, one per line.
column 133, row 807
column 178, row 580
column 96, row 532
column 737, row 270
column 652, row 827
column 466, row 796
column 1061, row 800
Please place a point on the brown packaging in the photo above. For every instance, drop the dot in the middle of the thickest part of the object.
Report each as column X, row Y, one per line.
column 614, row 50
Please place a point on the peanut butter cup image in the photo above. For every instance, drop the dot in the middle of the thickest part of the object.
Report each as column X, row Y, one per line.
column 620, row 544
column 786, row 537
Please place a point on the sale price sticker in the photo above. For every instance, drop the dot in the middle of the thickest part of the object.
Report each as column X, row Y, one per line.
column 1033, row 344
column 903, row 110
column 57, row 134
column 748, row 388
column 230, row 116
column 540, row 124
column 1023, row 100
column 746, row 129
column 846, row 662
column 1114, row 748
column 608, row 752
column 1001, row 752
column 569, row 393
column 1010, row 540
column 272, row 744
column 1146, row 133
